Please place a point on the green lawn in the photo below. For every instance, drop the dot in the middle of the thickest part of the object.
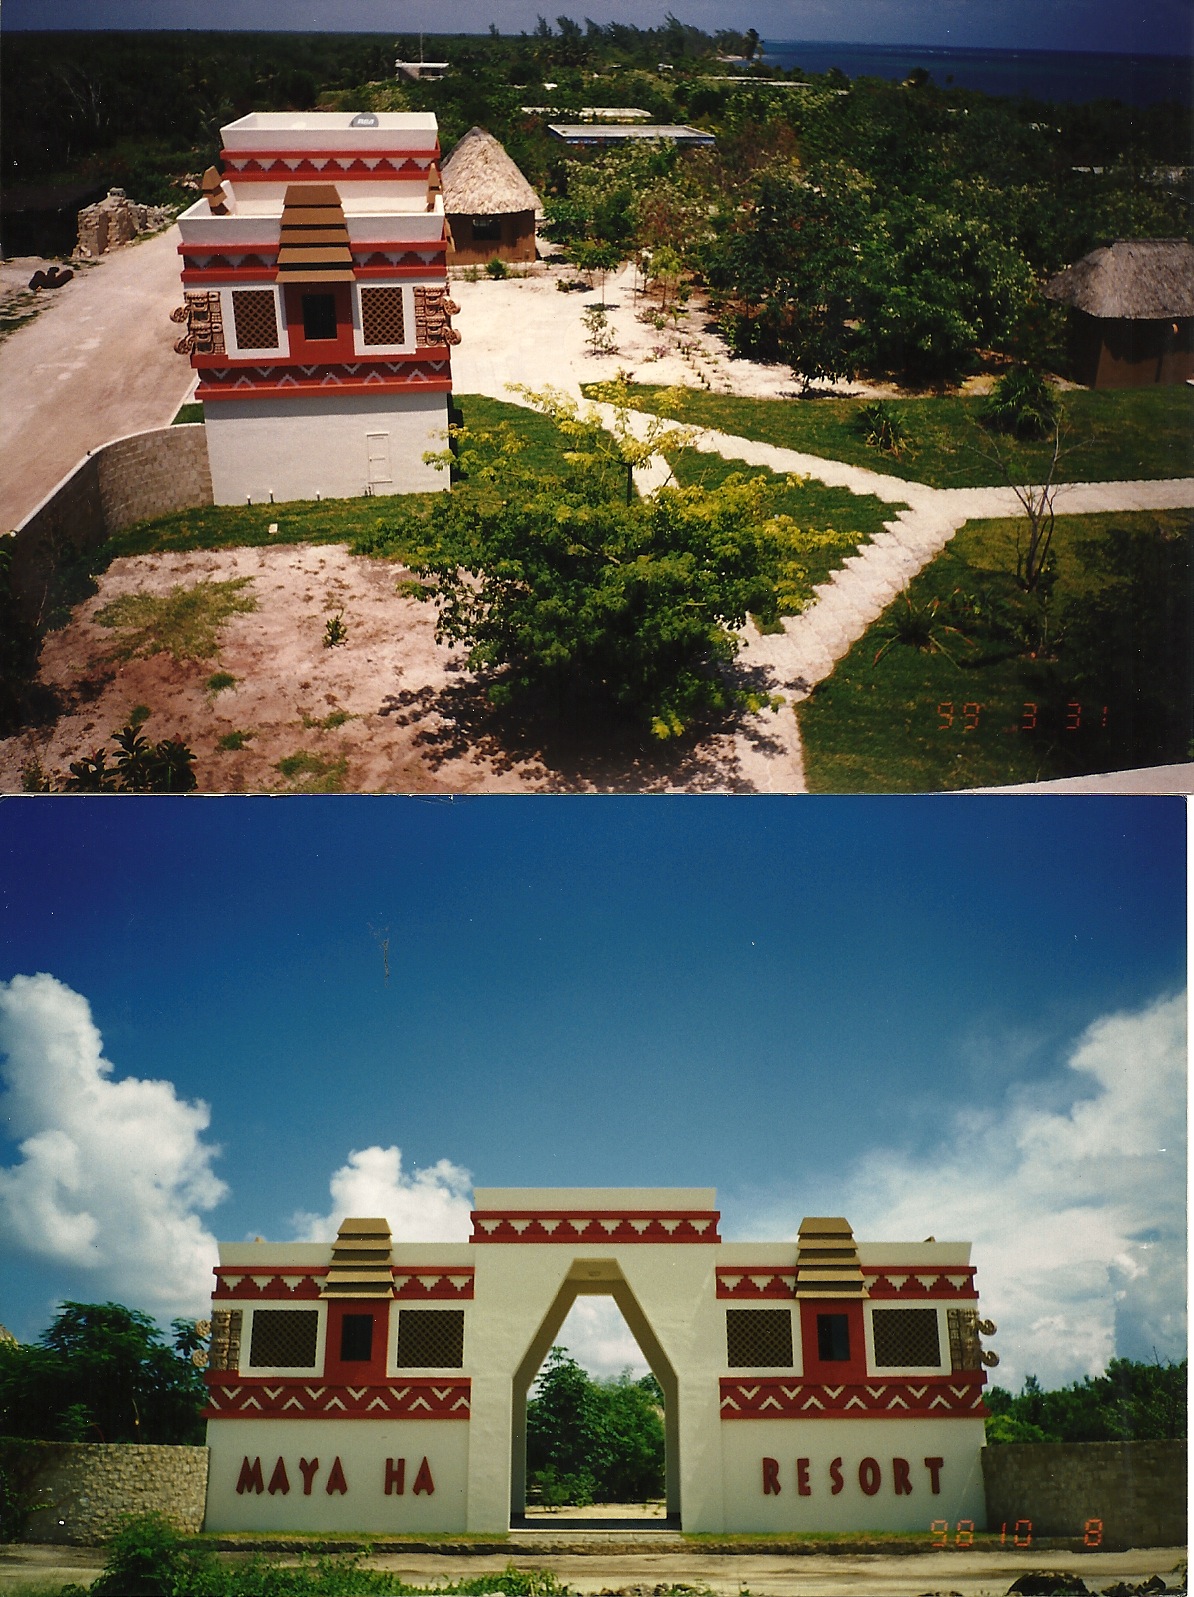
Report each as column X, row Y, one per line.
column 1100, row 679
column 831, row 522
column 1136, row 433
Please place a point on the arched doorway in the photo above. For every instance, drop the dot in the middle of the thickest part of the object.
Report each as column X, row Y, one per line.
column 595, row 1278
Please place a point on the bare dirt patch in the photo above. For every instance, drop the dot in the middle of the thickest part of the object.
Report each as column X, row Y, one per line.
column 386, row 710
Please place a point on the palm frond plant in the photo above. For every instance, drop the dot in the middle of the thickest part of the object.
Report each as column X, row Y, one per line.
column 918, row 626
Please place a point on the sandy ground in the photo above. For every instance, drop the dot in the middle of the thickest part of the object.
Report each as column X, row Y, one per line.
column 525, row 330
column 417, row 721
column 97, row 362
column 765, row 1575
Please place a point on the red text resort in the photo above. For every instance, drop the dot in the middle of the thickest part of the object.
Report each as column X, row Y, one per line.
column 380, row 1385
column 315, row 302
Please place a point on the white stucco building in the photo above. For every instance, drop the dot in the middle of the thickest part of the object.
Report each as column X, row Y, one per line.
column 315, row 300
column 378, row 1385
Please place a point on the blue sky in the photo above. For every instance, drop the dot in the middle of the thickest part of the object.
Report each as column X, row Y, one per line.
column 957, row 1016
column 1157, row 26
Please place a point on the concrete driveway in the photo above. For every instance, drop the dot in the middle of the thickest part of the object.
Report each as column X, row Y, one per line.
column 97, row 362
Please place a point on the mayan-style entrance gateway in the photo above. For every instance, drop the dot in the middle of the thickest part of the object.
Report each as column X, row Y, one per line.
column 824, row 1384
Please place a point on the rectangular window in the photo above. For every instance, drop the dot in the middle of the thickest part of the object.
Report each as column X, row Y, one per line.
column 356, row 1338
column 833, row 1338
column 284, row 1339
column 487, row 229
column 759, row 1339
column 905, row 1338
column 255, row 317
column 431, row 1339
column 319, row 316
column 382, row 320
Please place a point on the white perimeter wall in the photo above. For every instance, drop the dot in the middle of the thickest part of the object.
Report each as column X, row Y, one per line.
column 312, row 444
column 362, row 1446
column 746, row 1443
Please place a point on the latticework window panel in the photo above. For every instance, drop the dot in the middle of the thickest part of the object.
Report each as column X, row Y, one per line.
column 255, row 315
column 284, row 1339
column 431, row 1339
column 759, row 1339
column 382, row 316
column 964, row 1347
column 906, row 1338
column 224, row 1353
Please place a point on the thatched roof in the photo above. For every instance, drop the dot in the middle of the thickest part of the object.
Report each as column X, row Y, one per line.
column 1137, row 279
column 481, row 179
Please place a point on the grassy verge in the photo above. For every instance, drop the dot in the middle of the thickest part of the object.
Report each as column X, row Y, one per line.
column 1006, row 688
column 192, row 411
column 832, row 521
column 1135, row 433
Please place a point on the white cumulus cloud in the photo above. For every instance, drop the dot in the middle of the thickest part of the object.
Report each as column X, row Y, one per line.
column 113, row 1174
column 430, row 1205
column 1077, row 1211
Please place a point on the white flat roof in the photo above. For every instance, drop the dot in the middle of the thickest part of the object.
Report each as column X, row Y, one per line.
column 329, row 122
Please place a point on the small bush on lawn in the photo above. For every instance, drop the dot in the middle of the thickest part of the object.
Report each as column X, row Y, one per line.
column 1023, row 404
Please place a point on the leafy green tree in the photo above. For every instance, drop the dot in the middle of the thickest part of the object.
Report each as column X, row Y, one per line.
column 593, row 1441
column 586, row 601
column 785, row 270
column 939, row 286
column 1132, row 1401
column 102, row 1373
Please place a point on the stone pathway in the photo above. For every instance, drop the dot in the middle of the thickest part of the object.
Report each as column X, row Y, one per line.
column 857, row 593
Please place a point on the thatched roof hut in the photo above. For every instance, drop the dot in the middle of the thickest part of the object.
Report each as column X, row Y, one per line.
column 489, row 204
column 1139, row 279
column 1132, row 312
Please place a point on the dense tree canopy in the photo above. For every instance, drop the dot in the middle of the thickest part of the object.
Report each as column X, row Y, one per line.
column 899, row 229
column 1133, row 1401
column 102, row 1373
column 593, row 1441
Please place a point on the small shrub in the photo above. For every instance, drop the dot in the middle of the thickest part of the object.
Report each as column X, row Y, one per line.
column 918, row 626
column 219, row 681
column 1021, row 403
column 597, row 333
column 882, row 429
column 233, row 740
column 334, row 631
column 148, row 1558
column 139, row 767
column 496, row 268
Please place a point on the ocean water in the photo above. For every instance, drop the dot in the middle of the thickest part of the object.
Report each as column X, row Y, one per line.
column 1038, row 74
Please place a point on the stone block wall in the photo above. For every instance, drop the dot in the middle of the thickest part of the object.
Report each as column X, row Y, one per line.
column 1137, row 1489
column 129, row 480
column 114, row 221
column 90, row 1486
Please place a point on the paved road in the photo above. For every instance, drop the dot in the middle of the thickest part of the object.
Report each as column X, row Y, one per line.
column 98, row 362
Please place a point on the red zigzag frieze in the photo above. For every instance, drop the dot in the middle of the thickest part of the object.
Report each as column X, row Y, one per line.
column 571, row 1226
column 423, row 1398
column 773, row 1398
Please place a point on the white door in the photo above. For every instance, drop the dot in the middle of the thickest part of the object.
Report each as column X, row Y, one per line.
column 378, row 445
